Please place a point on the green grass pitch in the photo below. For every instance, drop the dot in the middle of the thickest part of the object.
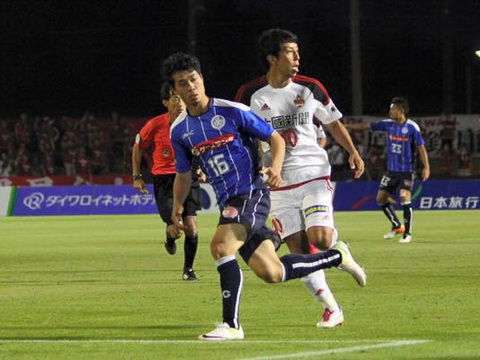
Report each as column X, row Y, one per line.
column 103, row 287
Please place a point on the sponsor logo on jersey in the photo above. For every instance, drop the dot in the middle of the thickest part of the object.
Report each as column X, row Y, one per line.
column 265, row 107
column 299, row 101
column 187, row 134
column 316, row 209
column 230, row 212
column 290, row 121
column 217, row 122
column 398, row 138
column 212, row 144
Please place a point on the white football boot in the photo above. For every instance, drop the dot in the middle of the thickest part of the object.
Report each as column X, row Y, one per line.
column 223, row 332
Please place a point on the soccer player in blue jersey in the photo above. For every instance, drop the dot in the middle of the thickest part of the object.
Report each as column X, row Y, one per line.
column 403, row 136
column 219, row 135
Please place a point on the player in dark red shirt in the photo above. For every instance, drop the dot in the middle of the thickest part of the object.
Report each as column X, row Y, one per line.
column 155, row 134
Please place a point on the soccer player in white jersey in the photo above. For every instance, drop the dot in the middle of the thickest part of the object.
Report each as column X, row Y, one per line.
column 220, row 135
column 302, row 205
column 403, row 136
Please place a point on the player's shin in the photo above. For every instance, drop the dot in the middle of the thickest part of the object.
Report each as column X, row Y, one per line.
column 318, row 287
column 299, row 265
column 231, row 282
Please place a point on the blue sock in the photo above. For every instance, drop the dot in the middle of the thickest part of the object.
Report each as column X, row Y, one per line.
column 300, row 265
column 389, row 212
column 231, row 282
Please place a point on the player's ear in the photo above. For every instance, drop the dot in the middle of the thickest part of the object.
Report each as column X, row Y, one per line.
column 271, row 59
column 165, row 103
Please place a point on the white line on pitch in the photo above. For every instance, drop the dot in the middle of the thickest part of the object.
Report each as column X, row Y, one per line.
column 169, row 341
column 339, row 350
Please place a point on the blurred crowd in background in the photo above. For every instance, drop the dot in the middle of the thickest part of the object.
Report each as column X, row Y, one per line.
column 43, row 145
column 90, row 145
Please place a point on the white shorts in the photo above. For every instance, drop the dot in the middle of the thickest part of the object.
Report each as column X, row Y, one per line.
column 302, row 207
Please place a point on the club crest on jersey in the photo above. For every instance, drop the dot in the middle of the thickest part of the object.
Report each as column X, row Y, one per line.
column 212, row 144
column 404, row 130
column 229, row 212
column 217, row 122
column 166, row 153
column 299, row 101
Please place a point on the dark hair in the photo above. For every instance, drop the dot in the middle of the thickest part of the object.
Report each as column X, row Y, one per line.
column 166, row 91
column 270, row 43
column 401, row 103
column 179, row 62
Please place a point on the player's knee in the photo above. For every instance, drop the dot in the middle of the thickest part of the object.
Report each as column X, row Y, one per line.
column 272, row 276
column 219, row 249
column 321, row 238
column 191, row 231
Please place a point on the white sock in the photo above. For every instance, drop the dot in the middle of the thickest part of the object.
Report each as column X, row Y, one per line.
column 317, row 285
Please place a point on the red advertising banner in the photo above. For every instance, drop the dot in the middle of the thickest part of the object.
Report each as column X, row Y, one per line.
column 64, row 180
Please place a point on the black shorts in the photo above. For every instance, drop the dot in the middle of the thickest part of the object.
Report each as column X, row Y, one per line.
column 163, row 188
column 250, row 210
column 393, row 181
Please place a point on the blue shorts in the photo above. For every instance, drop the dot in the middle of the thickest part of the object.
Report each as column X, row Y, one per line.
column 251, row 210
column 393, row 181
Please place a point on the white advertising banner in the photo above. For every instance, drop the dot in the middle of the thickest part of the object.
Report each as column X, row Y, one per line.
column 5, row 192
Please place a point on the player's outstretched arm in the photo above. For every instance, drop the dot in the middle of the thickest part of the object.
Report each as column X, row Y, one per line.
column 138, row 182
column 357, row 126
column 181, row 188
column 424, row 159
column 341, row 136
column 277, row 146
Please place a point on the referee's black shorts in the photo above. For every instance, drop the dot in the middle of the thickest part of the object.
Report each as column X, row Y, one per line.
column 163, row 188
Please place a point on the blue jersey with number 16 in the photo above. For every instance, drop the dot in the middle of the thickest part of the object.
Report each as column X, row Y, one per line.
column 402, row 139
column 221, row 141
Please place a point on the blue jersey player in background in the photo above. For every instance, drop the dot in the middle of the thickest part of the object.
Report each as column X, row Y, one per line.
column 403, row 138
column 219, row 135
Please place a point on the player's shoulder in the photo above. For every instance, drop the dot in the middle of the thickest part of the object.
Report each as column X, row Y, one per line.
column 155, row 122
column 315, row 86
column 246, row 91
column 178, row 121
column 229, row 104
column 413, row 124
column 158, row 119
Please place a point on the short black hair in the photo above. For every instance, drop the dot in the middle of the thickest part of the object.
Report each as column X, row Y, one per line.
column 401, row 103
column 166, row 91
column 270, row 43
column 179, row 61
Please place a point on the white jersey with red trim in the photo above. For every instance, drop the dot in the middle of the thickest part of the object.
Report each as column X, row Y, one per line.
column 295, row 111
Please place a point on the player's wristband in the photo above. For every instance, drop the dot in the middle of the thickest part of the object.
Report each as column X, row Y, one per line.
column 136, row 177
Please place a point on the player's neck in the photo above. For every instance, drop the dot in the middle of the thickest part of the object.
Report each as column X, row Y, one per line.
column 199, row 108
column 277, row 80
